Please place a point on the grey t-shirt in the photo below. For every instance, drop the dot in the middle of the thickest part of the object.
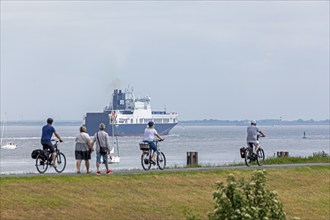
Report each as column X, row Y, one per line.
column 252, row 134
column 103, row 138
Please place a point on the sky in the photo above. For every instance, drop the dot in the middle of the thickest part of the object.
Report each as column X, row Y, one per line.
column 226, row 60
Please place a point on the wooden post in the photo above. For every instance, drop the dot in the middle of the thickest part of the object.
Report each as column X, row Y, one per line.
column 192, row 158
column 282, row 154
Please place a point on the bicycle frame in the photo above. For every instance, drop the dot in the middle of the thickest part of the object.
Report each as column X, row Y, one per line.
column 250, row 156
column 43, row 163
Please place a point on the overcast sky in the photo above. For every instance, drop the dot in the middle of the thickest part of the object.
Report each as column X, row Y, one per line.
column 205, row 60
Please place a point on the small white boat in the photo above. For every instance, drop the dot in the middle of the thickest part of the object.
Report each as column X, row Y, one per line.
column 9, row 146
column 114, row 159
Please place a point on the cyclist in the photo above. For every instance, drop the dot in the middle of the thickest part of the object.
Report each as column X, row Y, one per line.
column 252, row 135
column 149, row 136
column 47, row 132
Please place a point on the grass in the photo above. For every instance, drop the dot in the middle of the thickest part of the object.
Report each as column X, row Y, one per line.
column 319, row 157
column 166, row 195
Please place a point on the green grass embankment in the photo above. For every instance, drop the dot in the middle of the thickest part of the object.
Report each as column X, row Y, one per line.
column 165, row 195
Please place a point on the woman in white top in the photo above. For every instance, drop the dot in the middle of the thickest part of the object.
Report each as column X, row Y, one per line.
column 149, row 136
column 83, row 149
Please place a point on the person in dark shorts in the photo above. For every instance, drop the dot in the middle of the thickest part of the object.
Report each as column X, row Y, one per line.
column 83, row 149
column 47, row 133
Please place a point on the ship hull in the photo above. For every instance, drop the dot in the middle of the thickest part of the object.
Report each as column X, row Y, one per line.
column 93, row 120
column 138, row 129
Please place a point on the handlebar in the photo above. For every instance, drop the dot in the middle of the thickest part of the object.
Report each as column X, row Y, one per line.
column 159, row 140
column 259, row 136
column 56, row 141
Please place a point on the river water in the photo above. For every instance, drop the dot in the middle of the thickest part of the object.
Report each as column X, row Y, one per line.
column 216, row 145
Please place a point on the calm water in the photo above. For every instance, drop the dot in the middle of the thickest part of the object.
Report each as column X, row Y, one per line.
column 216, row 145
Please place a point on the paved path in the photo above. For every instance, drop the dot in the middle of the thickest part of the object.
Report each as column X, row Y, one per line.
column 138, row 171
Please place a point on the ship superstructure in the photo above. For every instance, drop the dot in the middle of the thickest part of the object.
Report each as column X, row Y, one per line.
column 128, row 116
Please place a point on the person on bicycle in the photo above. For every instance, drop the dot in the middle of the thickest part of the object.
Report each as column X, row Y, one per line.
column 149, row 137
column 252, row 135
column 47, row 132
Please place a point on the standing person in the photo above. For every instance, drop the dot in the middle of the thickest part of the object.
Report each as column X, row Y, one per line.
column 47, row 132
column 83, row 149
column 252, row 135
column 149, row 137
column 101, row 138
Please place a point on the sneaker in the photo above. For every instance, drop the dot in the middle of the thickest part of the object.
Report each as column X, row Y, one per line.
column 98, row 173
column 109, row 171
column 153, row 162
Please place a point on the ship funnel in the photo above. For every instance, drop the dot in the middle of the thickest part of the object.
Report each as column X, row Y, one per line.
column 118, row 100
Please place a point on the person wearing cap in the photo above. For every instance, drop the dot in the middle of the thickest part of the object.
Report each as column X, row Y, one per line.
column 252, row 135
column 101, row 138
column 47, row 133
column 149, row 136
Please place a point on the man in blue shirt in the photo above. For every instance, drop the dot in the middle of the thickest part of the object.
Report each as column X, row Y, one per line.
column 47, row 132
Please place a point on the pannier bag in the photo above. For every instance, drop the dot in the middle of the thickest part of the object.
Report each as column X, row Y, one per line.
column 43, row 154
column 35, row 153
column 242, row 151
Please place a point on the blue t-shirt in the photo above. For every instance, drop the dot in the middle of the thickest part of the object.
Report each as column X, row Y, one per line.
column 47, row 133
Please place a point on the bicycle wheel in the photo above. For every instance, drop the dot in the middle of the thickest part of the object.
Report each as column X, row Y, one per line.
column 248, row 157
column 41, row 164
column 161, row 160
column 60, row 162
column 260, row 156
column 145, row 160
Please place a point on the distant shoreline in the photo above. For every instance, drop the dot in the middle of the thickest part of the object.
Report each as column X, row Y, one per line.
column 271, row 122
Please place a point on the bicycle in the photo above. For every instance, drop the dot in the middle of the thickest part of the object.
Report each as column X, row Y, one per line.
column 44, row 159
column 249, row 156
column 147, row 153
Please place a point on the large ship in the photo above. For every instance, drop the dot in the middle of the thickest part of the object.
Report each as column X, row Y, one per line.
column 128, row 116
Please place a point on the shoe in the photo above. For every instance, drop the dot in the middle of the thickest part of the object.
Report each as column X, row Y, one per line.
column 109, row 171
column 53, row 165
column 153, row 162
column 98, row 173
column 78, row 172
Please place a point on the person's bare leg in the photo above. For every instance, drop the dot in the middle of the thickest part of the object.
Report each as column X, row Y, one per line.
column 87, row 165
column 97, row 166
column 154, row 155
column 53, row 158
column 78, row 163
